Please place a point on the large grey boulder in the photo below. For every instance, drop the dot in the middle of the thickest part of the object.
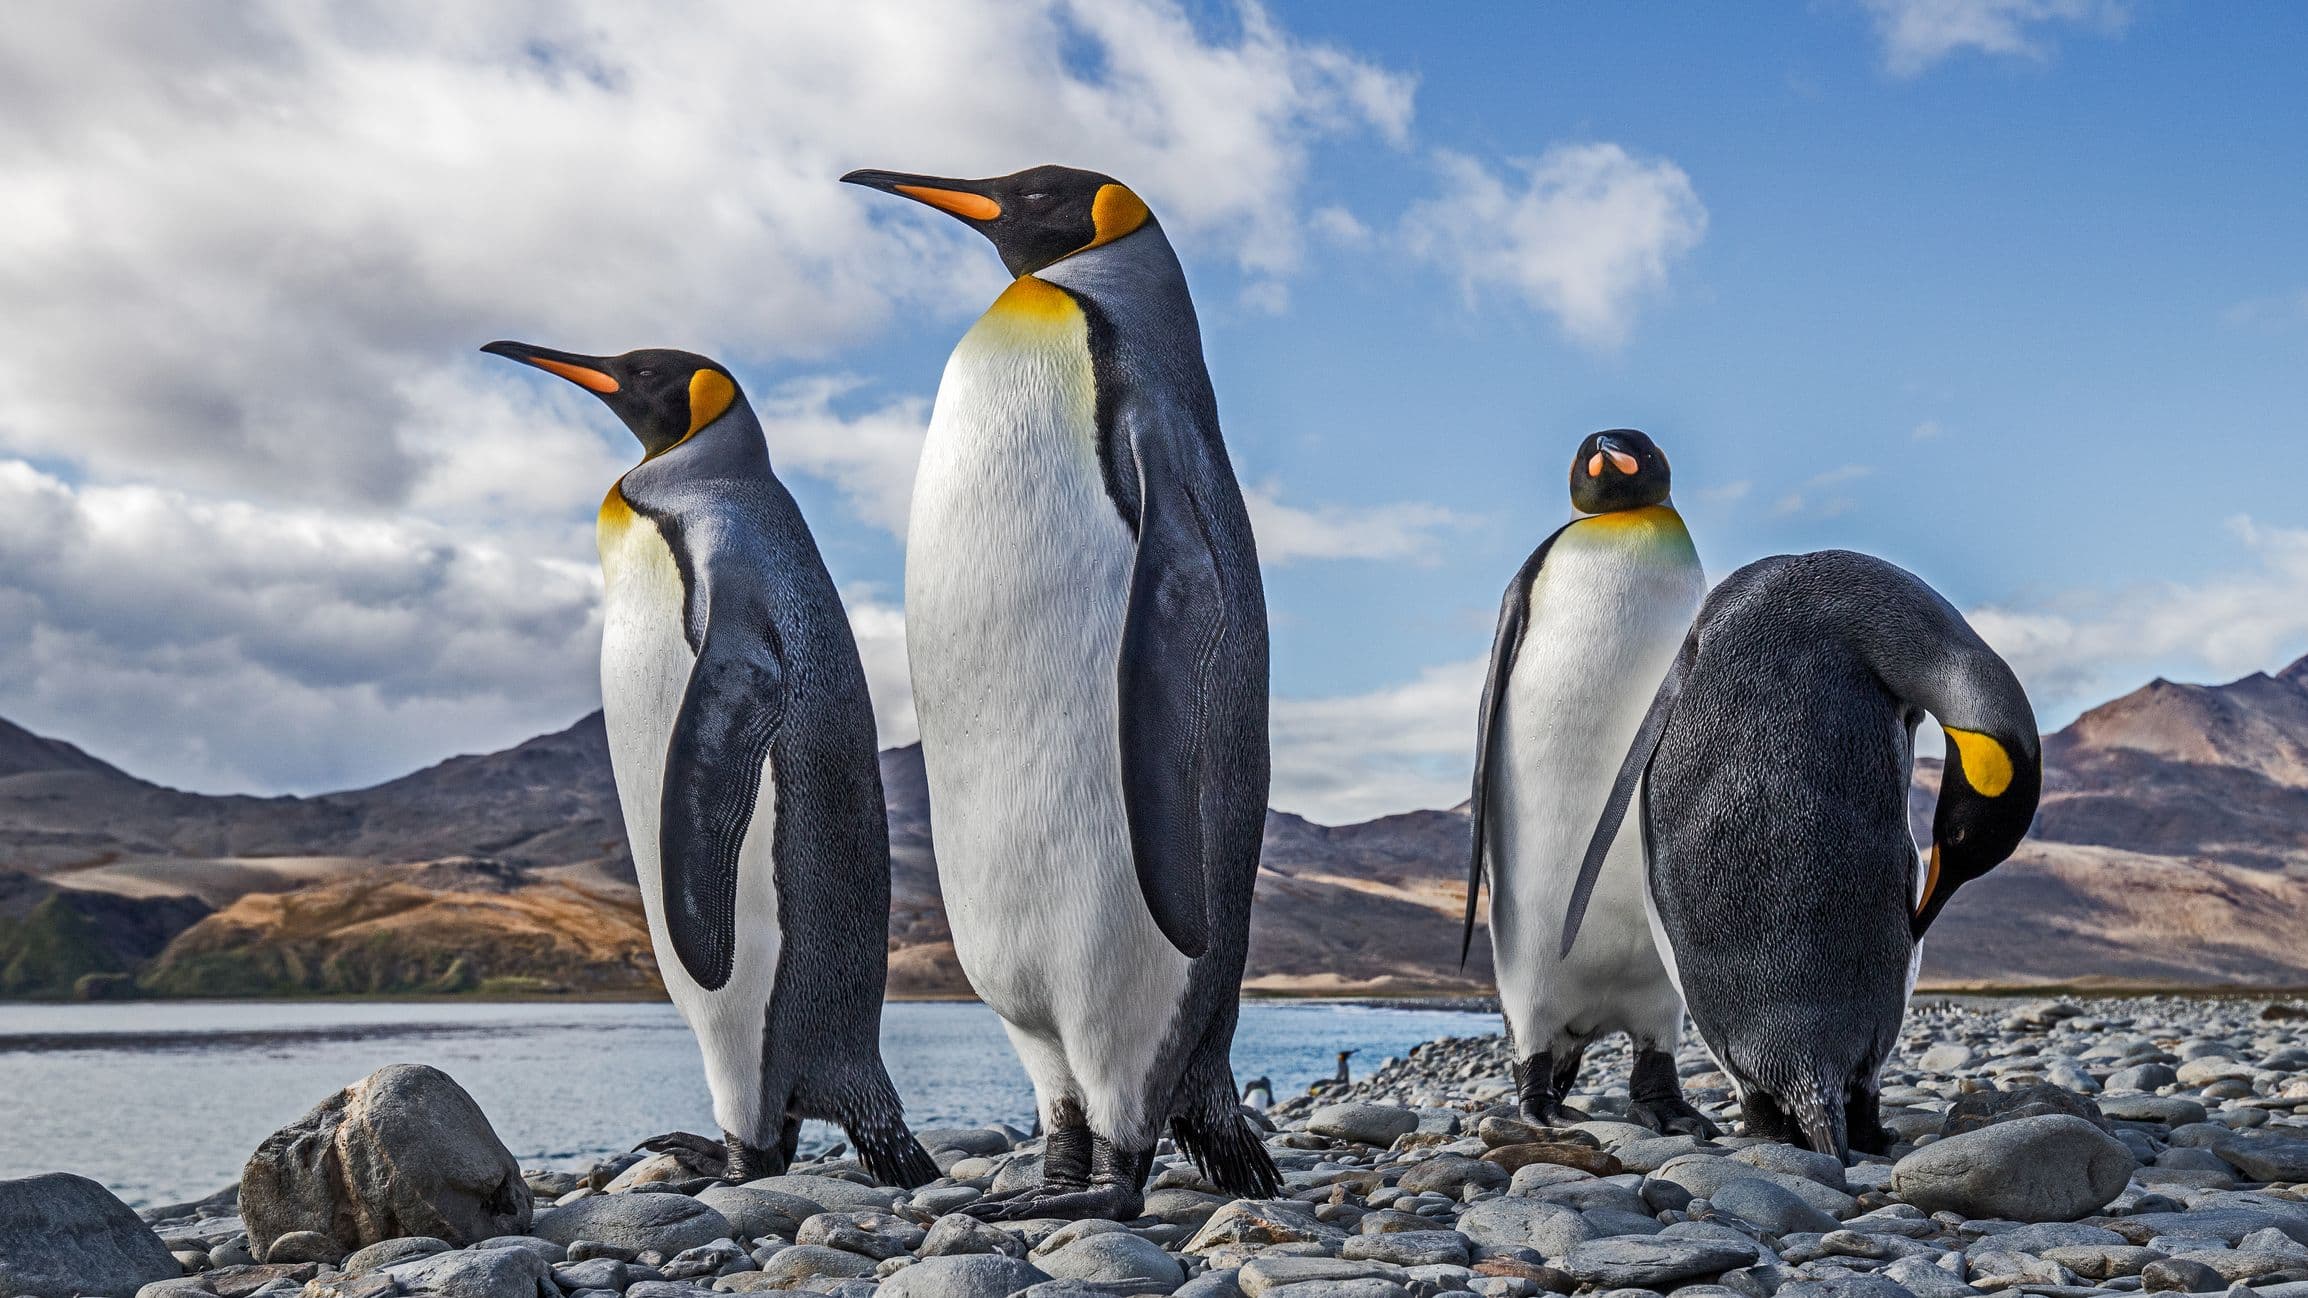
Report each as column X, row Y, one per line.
column 1114, row 1257
column 62, row 1235
column 403, row 1151
column 2051, row 1168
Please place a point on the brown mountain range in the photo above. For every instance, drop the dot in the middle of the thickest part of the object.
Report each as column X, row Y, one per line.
column 2171, row 850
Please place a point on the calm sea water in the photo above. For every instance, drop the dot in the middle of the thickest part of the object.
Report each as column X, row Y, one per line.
column 163, row 1101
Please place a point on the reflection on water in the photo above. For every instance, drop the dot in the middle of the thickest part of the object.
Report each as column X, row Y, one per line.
column 162, row 1100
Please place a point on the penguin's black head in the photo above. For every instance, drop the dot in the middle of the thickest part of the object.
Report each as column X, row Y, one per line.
column 1617, row 469
column 1034, row 217
column 664, row 396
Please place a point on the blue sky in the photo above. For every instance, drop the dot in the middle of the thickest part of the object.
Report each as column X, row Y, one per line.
column 2010, row 291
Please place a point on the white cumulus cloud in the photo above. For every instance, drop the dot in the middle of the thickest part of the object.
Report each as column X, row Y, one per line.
column 1584, row 232
column 1917, row 34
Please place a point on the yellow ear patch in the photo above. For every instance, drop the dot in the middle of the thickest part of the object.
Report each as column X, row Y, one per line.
column 1985, row 763
column 1115, row 212
column 710, row 393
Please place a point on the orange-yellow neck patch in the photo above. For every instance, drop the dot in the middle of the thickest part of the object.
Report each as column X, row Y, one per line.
column 1986, row 766
column 710, row 395
column 1028, row 299
column 1115, row 211
column 1649, row 516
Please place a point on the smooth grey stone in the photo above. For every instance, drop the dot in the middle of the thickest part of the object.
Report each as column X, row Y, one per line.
column 1371, row 1287
column 2056, row 1234
column 2139, row 1077
column 1551, row 1228
column 754, row 1212
column 1656, row 1152
column 984, row 1142
column 1774, row 1157
column 963, row 1275
column 834, row 1194
column 543, row 1248
column 1703, row 1176
column 2170, row 1110
column 1113, row 1257
column 1265, row 1275
column 667, row 1223
column 1947, row 1057
column 62, row 1235
column 1450, row 1174
column 384, row 1253
column 1218, row 1282
column 1409, row 1248
column 1264, row 1221
column 956, row 1235
column 403, row 1151
column 1716, row 1230
column 877, row 1235
column 482, row 1273
column 1924, row 1279
column 1365, row 1124
column 1847, row 1286
column 2225, row 1223
column 2185, row 1276
column 1603, row 1222
column 592, row 1273
column 1650, row 1262
column 1593, row 1194
column 807, row 1261
column 305, row 1246
column 1180, row 1207
column 2056, row 1167
column 1530, row 1178
column 2101, row 1261
column 1769, row 1207
column 2264, row 1158
column 938, row 1200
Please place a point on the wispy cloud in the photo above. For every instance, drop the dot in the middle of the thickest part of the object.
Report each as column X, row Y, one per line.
column 1918, row 34
column 1820, row 495
column 1350, row 757
column 2273, row 311
column 1404, row 530
column 2078, row 647
column 1584, row 232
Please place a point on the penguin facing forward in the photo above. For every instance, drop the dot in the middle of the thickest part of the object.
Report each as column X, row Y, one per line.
column 742, row 742
column 1774, row 766
column 1088, row 640
column 1586, row 631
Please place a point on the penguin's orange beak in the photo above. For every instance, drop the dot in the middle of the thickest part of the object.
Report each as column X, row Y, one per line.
column 584, row 371
column 953, row 197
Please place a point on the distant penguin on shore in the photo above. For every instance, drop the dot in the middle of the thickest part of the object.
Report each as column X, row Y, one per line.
column 1259, row 1094
column 1087, row 631
column 1586, row 631
column 1773, row 768
column 742, row 742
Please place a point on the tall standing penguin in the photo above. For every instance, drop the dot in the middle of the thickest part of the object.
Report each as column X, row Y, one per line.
column 742, row 741
column 1586, row 631
column 1088, row 639
column 1774, row 766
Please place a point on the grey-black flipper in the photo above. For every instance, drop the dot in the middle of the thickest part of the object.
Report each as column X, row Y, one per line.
column 1186, row 687
column 1514, row 617
column 1638, row 760
column 713, row 766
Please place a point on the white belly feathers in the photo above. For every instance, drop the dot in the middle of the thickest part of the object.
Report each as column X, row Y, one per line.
column 1017, row 572
column 1609, row 609
column 645, row 667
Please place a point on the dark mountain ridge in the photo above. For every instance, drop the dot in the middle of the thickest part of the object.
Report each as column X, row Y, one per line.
column 2171, row 849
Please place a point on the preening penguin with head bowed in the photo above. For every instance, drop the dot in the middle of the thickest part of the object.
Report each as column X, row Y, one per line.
column 1586, row 631
column 742, row 742
column 1088, row 638
column 1770, row 776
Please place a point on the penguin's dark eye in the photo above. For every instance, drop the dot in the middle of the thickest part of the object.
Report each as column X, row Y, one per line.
column 1036, row 197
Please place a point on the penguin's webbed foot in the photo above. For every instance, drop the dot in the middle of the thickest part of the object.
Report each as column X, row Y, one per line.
column 1673, row 1116
column 750, row 1162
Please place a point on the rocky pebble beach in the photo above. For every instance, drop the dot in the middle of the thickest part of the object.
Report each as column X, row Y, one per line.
column 2061, row 1149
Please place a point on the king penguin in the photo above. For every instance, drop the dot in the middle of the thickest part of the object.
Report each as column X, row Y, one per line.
column 742, row 742
column 1586, row 631
column 1773, row 768
column 1088, row 639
